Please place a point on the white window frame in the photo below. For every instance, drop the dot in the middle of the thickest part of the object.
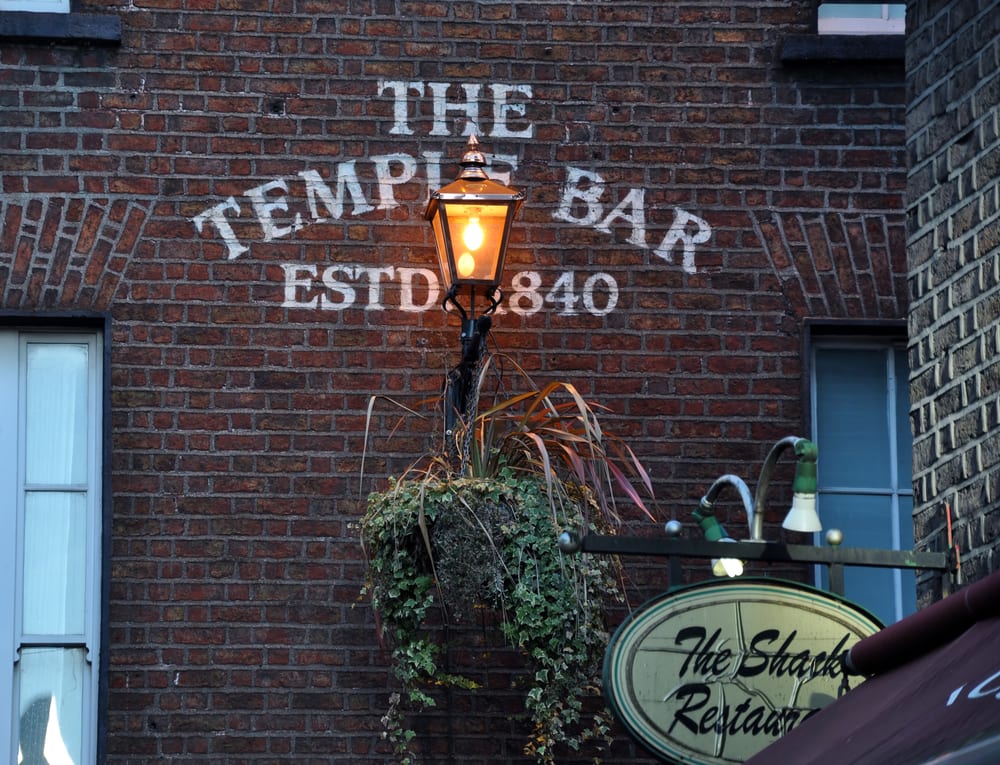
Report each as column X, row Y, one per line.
column 895, row 491
column 13, row 342
column 845, row 24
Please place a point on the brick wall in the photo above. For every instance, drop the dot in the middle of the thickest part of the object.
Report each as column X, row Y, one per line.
column 953, row 142
column 691, row 201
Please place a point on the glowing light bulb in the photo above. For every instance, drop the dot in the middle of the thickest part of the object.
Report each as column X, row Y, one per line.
column 466, row 264
column 473, row 235
column 730, row 567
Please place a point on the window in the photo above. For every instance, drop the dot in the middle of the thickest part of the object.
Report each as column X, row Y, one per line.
column 850, row 32
column 35, row 6
column 860, row 400
column 51, row 436
column 57, row 21
column 862, row 18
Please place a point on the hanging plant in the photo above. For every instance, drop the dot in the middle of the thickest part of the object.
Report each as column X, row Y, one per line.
column 485, row 536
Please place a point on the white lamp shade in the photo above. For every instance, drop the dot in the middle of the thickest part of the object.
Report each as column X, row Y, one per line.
column 803, row 516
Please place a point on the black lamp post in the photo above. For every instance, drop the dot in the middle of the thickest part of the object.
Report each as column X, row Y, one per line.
column 471, row 218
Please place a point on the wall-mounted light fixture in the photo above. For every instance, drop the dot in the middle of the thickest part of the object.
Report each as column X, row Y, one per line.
column 471, row 218
column 717, row 547
column 713, row 530
column 801, row 517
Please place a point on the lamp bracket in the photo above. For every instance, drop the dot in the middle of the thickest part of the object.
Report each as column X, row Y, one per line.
column 451, row 304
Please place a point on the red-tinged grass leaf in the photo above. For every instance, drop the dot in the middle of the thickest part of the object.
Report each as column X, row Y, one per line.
column 626, row 486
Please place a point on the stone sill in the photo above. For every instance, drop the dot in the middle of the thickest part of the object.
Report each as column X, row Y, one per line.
column 61, row 27
column 806, row 49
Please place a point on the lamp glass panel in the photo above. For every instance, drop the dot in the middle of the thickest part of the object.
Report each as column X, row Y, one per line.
column 477, row 236
column 441, row 247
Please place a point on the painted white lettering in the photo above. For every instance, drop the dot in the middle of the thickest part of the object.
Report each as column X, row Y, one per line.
column 610, row 289
column 581, row 205
column 525, row 286
column 505, row 159
column 217, row 216
column 508, row 103
column 634, row 200
column 562, row 292
column 400, row 115
column 294, row 281
column 338, row 287
column 575, row 191
column 502, row 110
column 331, row 200
column 441, row 107
column 679, row 233
column 374, row 277
column 406, row 283
column 386, row 180
column 347, row 182
column 334, row 285
column 265, row 209
column 433, row 171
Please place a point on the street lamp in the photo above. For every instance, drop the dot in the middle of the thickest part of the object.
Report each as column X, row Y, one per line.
column 471, row 218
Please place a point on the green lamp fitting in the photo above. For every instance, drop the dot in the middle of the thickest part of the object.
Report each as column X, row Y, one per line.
column 710, row 525
column 714, row 532
column 803, row 516
column 805, row 481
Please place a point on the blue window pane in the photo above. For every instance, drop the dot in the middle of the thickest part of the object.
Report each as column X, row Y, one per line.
column 862, row 10
column 851, row 10
column 866, row 522
column 851, row 418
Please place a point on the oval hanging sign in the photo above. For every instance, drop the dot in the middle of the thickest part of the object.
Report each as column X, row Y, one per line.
column 713, row 673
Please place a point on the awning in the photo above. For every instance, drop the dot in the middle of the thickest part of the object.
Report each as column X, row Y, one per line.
column 933, row 695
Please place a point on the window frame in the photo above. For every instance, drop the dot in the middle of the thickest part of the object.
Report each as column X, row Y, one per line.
column 98, row 327
column 859, row 334
column 73, row 25
column 859, row 25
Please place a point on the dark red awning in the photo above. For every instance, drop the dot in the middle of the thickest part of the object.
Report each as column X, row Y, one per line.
column 935, row 690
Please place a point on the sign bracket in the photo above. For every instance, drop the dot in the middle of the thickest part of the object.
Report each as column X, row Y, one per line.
column 834, row 557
